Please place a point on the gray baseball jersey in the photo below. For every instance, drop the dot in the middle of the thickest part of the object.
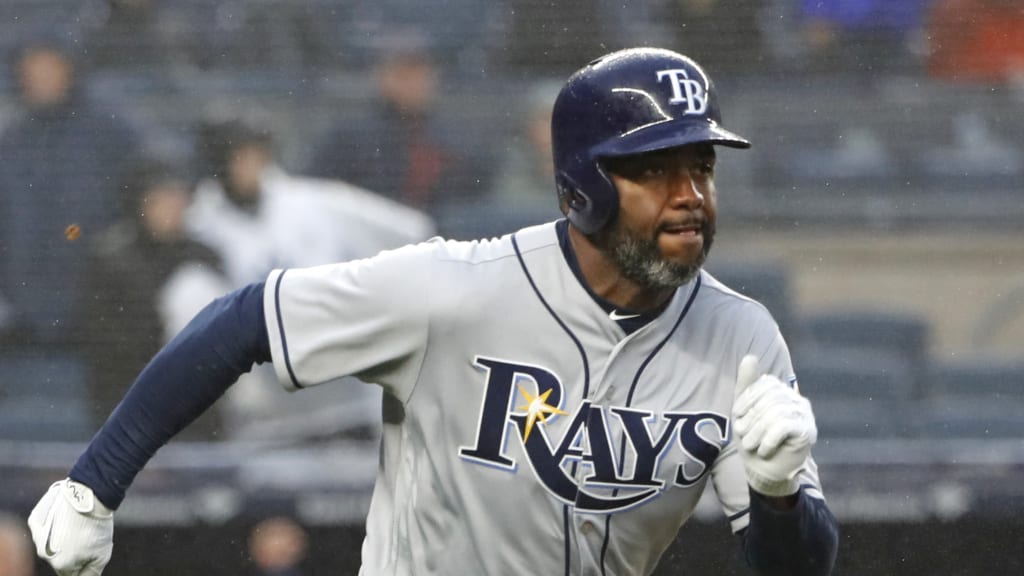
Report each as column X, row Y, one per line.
column 524, row 430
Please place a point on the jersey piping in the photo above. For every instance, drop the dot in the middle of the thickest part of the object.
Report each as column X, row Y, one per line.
column 280, row 328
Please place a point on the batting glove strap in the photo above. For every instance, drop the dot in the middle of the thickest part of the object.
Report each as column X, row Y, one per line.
column 72, row 529
column 767, row 485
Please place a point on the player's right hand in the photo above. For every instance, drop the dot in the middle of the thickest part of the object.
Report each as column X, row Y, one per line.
column 72, row 529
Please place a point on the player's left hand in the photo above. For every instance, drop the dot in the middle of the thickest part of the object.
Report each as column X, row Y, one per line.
column 775, row 428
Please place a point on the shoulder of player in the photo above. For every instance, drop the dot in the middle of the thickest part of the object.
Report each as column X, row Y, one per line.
column 441, row 274
column 502, row 248
column 438, row 270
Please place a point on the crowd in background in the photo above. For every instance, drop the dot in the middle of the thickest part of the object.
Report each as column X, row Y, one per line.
column 164, row 229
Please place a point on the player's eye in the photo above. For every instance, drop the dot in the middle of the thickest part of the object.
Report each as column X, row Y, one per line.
column 706, row 168
column 637, row 168
column 660, row 165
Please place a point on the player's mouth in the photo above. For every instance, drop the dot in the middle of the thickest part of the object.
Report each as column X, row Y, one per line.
column 682, row 240
column 687, row 229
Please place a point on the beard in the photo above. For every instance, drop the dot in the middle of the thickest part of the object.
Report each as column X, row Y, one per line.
column 640, row 259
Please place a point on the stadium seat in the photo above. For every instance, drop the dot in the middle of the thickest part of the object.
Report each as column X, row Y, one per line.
column 857, row 393
column 905, row 336
column 43, row 396
column 852, row 373
column 44, row 420
column 948, row 417
column 974, row 397
column 843, row 418
column 977, row 376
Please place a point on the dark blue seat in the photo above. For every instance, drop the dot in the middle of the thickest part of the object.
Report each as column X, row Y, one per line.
column 857, row 393
column 977, row 376
column 949, row 417
column 905, row 336
column 974, row 397
column 44, row 396
column 855, row 373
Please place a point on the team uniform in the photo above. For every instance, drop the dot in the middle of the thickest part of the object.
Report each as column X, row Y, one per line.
column 526, row 431
column 529, row 426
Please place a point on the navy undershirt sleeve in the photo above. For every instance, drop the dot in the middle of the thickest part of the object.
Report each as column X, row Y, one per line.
column 802, row 541
column 182, row 381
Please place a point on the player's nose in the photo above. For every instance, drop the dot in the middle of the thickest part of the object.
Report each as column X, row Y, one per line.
column 684, row 192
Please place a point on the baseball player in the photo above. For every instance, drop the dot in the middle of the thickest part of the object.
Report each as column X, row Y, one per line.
column 555, row 400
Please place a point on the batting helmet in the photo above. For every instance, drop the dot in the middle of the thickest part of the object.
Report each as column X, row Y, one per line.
column 624, row 103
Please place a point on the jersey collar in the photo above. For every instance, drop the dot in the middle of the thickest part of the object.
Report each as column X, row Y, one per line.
column 629, row 320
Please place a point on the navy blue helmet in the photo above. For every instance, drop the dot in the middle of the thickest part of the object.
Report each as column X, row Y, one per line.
column 625, row 103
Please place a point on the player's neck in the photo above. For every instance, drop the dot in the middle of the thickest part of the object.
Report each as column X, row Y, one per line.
column 605, row 279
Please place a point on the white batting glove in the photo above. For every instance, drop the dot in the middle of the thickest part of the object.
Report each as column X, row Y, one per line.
column 72, row 529
column 775, row 428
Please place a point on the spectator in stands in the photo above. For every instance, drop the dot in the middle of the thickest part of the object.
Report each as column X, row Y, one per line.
column 242, row 209
column 862, row 35
column 229, row 210
column 977, row 40
column 398, row 148
column 257, row 217
column 16, row 551
column 145, row 280
column 277, row 547
column 59, row 155
column 726, row 37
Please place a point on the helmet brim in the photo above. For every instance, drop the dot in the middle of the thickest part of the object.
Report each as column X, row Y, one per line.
column 669, row 135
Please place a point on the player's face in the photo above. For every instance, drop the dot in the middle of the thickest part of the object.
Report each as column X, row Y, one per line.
column 667, row 213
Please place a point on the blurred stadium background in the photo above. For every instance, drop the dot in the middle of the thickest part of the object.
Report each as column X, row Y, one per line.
column 879, row 215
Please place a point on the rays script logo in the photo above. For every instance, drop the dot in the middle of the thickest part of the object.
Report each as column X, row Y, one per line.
column 688, row 441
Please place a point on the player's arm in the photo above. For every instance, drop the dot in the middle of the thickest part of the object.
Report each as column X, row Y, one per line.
column 791, row 532
column 72, row 524
column 801, row 540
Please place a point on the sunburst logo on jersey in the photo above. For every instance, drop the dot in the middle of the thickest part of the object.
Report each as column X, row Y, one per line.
column 536, row 407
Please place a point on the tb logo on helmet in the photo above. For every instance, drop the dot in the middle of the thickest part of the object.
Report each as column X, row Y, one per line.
column 685, row 90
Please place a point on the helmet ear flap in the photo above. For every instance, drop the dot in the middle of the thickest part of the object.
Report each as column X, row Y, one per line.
column 581, row 208
column 570, row 194
column 574, row 203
